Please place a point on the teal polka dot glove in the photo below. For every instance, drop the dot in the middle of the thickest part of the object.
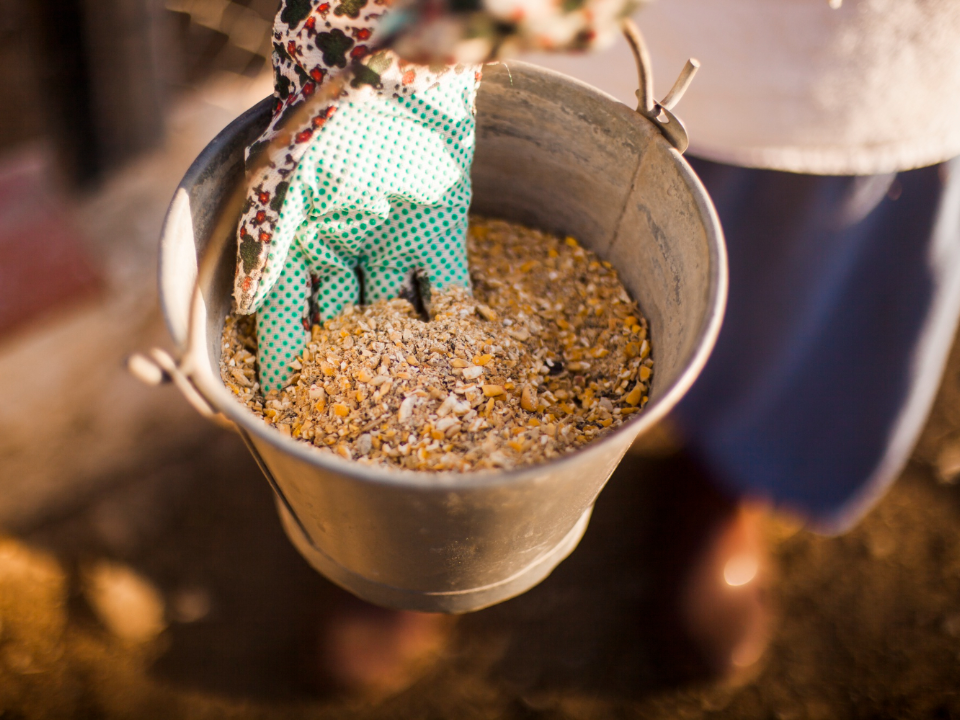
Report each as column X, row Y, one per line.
column 379, row 196
column 362, row 174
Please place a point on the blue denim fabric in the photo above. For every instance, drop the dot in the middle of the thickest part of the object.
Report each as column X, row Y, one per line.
column 844, row 300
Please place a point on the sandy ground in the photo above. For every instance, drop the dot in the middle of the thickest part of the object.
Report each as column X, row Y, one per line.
column 164, row 587
column 205, row 610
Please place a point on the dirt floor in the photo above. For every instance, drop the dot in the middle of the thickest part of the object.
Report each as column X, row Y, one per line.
column 173, row 593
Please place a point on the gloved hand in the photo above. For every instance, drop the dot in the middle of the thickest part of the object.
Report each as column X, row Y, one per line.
column 384, row 190
column 366, row 162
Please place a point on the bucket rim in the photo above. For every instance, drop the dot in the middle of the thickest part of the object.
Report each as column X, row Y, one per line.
column 197, row 367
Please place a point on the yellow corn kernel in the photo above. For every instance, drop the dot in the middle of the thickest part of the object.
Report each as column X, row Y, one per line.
column 635, row 395
column 528, row 399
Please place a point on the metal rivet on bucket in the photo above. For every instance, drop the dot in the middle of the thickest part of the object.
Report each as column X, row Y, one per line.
column 553, row 153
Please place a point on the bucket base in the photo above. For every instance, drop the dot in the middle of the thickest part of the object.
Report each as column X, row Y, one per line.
column 459, row 601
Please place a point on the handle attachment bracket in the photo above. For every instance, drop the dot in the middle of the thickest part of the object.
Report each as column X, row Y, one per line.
column 659, row 113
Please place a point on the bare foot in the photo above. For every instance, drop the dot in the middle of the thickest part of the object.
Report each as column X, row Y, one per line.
column 368, row 650
column 712, row 573
column 722, row 601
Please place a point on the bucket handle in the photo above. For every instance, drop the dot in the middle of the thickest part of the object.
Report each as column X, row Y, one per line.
column 157, row 367
column 659, row 113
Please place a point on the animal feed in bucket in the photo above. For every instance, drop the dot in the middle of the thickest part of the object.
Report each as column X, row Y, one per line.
column 547, row 355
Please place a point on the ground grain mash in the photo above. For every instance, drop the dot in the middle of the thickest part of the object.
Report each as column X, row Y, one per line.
column 548, row 354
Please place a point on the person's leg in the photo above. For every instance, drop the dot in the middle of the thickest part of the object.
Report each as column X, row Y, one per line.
column 844, row 298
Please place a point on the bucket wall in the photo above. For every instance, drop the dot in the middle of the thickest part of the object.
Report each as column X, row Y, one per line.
column 552, row 153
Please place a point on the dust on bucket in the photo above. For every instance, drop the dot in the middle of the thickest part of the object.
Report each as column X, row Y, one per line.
column 552, row 153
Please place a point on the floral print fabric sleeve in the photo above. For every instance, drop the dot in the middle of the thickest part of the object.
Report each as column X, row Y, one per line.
column 486, row 30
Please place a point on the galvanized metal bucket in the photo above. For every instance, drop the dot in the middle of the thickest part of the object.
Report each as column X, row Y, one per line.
column 552, row 153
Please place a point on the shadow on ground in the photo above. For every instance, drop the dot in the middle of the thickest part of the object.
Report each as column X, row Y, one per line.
column 869, row 623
